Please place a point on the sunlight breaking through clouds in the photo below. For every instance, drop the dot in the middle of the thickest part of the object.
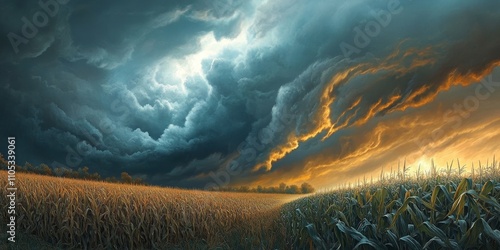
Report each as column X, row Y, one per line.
column 178, row 93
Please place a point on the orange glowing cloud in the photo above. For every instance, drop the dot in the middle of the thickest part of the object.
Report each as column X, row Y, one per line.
column 379, row 140
column 322, row 120
column 383, row 144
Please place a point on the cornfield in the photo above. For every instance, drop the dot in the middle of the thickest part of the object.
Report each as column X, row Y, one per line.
column 432, row 213
column 79, row 214
column 441, row 210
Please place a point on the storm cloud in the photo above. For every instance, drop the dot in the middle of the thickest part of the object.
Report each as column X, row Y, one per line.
column 194, row 93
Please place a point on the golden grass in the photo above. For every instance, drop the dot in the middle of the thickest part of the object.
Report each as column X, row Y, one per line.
column 95, row 215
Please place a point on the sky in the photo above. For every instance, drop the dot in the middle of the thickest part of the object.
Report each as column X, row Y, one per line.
column 201, row 94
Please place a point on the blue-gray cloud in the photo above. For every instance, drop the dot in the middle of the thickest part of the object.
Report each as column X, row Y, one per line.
column 175, row 91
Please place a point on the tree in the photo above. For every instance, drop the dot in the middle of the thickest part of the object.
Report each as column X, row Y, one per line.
column 293, row 189
column 282, row 187
column 306, row 188
column 95, row 176
column 46, row 170
column 75, row 174
column 137, row 180
column 29, row 167
column 58, row 171
column 272, row 190
column 126, row 178
column 84, row 172
column 244, row 189
column 67, row 173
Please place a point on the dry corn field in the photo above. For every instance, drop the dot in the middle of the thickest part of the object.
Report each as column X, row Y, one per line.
column 440, row 211
column 78, row 214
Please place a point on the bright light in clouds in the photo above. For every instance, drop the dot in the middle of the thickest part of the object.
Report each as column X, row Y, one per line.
column 165, row 76
column 172, row 74
column 211, row 49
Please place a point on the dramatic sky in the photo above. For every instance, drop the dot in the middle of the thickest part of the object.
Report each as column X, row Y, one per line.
column 205, row 93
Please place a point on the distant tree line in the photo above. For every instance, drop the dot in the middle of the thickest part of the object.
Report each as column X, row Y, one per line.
column 283, row 188
column 80, row 173
column 84, row 174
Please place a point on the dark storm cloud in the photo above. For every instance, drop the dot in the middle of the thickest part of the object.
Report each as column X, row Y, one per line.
column 76, row 82
column 379, row 82
column 119, row 86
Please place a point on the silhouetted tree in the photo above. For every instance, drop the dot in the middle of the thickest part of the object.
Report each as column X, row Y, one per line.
column 94, row 176
column 126, row 178
column 244, row 189
column 137, row 180
column 272, row 190
column 67, row 173
column 75, row 174
column 45, row 170
column 306, row 188
column 58, row 171
column 293, row 189
column 29, row 168
column 84, row 172
column 282, row 187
